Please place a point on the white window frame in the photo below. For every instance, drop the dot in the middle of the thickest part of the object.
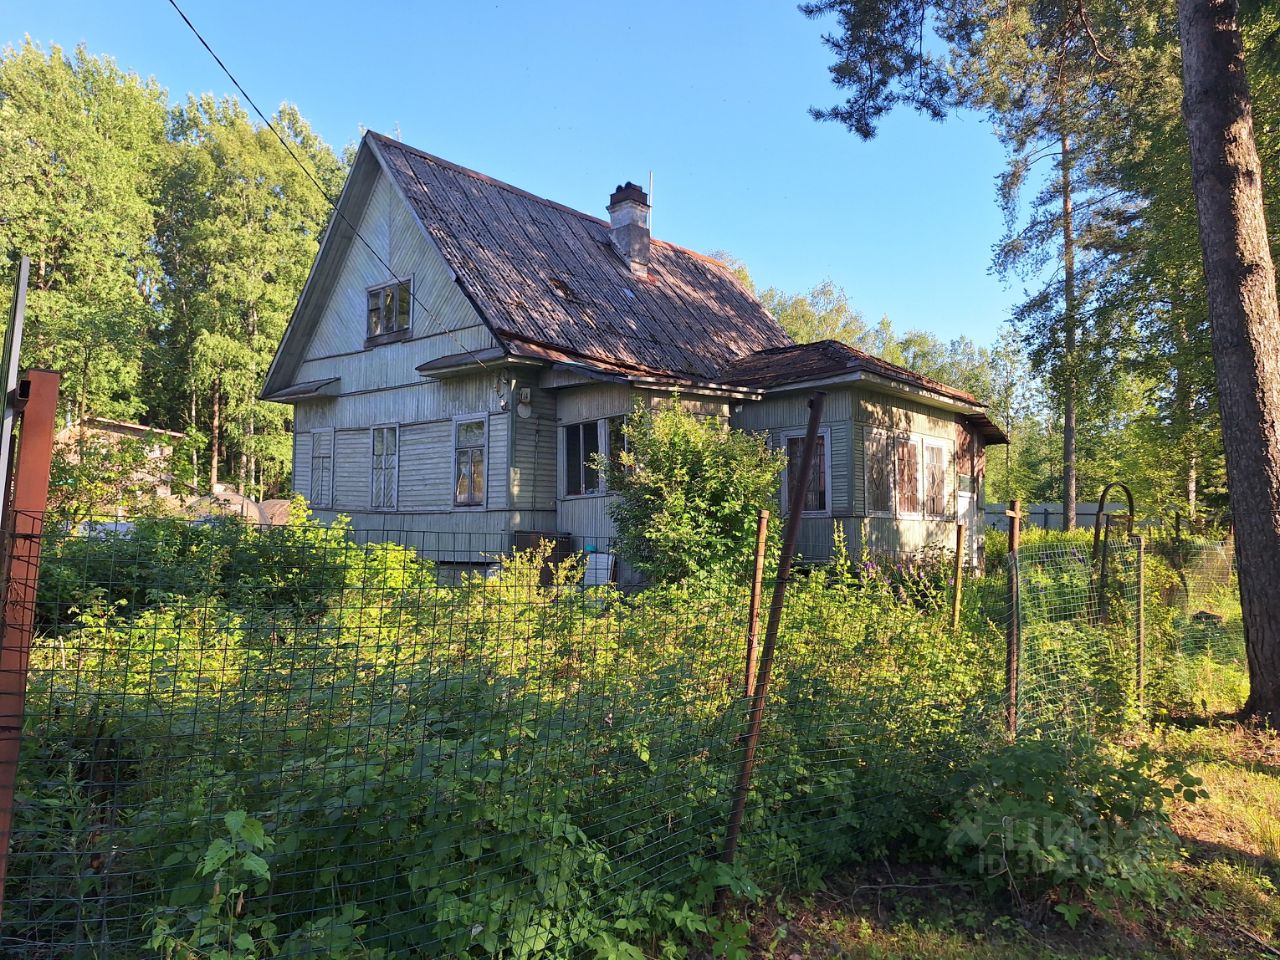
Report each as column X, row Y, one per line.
column 948, row 499
column 326, row 501
column 401, row 331
column 373, row 469
column 481, row 418
column 825, row 433
column 890, row 441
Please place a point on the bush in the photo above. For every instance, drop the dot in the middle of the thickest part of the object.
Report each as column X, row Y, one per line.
column 379, row 765
column 1068, row 815
column 690, row 490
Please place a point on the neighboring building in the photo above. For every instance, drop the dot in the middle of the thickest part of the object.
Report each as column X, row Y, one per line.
column 153, row 475
column 456, row 365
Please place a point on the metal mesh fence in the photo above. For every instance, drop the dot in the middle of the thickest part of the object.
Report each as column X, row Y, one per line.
column 1197, row 642
column 1089, row 658
column 1077, row 630
column 285, row 740
column 294, row 741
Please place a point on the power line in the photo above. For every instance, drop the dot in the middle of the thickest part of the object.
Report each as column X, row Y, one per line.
column 333, row 203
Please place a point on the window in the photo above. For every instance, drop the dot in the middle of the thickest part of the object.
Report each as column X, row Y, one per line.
column 581, row 447
column 907, row 475
column 584, row 445
column 936, row 501
column 386, row 442
column 468, row 463
column 617, row 436
column 815, row 496
column 388, row 308
column 321, row 468
column 878, row 473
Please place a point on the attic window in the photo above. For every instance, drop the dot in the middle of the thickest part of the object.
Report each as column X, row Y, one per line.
column 389, row 307
column 562, row 289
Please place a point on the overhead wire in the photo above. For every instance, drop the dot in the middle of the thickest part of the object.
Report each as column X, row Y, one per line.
column 333, row 203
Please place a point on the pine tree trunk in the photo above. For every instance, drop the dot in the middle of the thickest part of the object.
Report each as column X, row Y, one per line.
column 195, row 457
column 214, row 438
column 1244, row 317
column 1069, row 386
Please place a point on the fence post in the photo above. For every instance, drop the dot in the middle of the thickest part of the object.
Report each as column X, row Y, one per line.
column 753, row 614
column 24, row 523
column 1013, row 637
column 958, row 578
column 760, row 692
column 1142, row 622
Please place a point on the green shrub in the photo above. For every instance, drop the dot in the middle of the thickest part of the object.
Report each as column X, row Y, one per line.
column 1070, row 814
column 690, row 490
column 502, row 767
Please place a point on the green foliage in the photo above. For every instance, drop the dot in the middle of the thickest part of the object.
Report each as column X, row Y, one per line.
column 689, row 492
column 1070, row 814
column 168, row 248
column 83, row 146
column 100, row 475
column 484, row 761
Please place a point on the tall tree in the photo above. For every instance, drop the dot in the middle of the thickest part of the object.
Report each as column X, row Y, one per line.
column 83, row 146
column 884, row 61
column 1244, row 315
column 243, row 225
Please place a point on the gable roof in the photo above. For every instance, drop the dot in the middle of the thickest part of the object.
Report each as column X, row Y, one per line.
column 544, row 276
column 548, row 284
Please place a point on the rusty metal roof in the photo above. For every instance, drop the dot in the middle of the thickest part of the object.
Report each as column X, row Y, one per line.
column 543, row 274
column 798, row 363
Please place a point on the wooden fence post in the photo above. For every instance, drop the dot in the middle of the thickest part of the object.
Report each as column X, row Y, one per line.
column 38, row 400
column 1013, row 636
column 958, row 578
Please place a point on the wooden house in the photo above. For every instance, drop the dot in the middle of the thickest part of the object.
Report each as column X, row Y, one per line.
column 463, row 349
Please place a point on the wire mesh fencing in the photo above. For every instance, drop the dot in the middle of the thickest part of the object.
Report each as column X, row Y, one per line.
column 300, row 742
column 1112, row 635
column 1197, row 644
column 288, row 741
column 1077, row 630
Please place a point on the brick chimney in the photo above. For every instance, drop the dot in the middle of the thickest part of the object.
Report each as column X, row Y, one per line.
column 629, row 227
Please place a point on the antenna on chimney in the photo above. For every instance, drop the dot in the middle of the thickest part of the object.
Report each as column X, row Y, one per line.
column 650, row 203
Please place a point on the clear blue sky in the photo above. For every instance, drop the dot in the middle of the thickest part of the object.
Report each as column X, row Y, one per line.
column 567, row 99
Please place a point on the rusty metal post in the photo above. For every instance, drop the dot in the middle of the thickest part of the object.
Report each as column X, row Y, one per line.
column 38, row 397
column 798, row 485
column 1013, row 636
column 958, row 578
column 1141, row 678
column 753, row 614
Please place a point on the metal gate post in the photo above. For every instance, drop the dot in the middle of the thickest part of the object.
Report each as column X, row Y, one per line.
column 753, row 614
column 799, row 485
column 957, row 579
column 1013, row 638
column 1141, row 678
column 38, row 403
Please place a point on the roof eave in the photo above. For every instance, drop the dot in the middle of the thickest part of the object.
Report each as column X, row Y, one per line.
column 480, row 361
column 308, row 390
column 883, row 383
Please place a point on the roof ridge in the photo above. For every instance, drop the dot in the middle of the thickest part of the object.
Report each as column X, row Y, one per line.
column 484, row 177
column 504, row 185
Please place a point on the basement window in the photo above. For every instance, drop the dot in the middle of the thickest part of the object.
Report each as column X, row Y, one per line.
column 388, row 310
